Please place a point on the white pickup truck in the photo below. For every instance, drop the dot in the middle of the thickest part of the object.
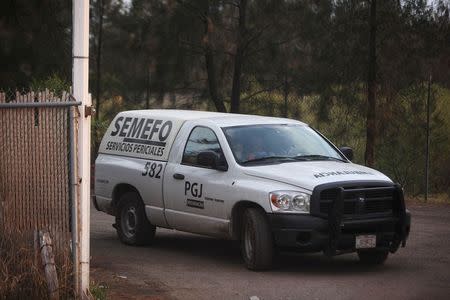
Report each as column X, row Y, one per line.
column 270, row 183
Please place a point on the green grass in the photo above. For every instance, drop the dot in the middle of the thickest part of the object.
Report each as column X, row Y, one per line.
column 98, row 291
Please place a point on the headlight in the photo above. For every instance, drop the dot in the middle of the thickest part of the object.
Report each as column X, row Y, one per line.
column 289, row 201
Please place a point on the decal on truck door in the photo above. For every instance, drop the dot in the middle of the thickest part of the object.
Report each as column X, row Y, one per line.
column 194, row 189
column 141, row 137
column 195, row 203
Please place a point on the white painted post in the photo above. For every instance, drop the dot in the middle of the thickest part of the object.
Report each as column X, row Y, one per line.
column 80, row 74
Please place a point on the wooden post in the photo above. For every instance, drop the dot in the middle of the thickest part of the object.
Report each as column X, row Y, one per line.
column 48, row 262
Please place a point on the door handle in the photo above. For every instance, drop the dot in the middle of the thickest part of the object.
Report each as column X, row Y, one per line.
column 178, row 176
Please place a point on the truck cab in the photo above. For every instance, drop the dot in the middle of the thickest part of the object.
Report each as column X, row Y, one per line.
column 271, row 183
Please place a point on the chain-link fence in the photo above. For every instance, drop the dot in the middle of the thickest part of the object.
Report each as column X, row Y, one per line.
column 278, row 103
column 36, row 164
column 333, row 115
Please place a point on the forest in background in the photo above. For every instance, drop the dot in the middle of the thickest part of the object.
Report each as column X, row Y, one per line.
column 360, row 71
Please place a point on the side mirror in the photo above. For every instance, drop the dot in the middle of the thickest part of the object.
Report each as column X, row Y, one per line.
column 212, row 160
column 348, row 152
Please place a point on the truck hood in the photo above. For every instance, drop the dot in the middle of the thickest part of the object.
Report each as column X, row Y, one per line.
column 308, row 174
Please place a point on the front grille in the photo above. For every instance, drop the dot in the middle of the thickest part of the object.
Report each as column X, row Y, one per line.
column 359, row 201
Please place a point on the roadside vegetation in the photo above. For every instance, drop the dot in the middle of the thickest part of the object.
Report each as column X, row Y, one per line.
column 21, row 270
column 400, row 151
column 363, row 72
column 98, row 291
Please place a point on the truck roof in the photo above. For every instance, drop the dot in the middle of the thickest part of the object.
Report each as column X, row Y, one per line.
column 221, row 119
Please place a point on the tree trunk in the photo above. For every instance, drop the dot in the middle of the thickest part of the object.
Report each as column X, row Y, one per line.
column 212, row 82
column 238, row 59
column 371, row 88
column 210, row 67
column 286, row 95
column 147, row 83
column 98, row 70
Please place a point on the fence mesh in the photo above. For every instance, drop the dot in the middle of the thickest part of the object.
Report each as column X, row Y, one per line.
column 278, row 103
column 35, row 165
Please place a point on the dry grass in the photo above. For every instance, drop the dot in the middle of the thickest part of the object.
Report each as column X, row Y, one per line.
column 442, row 198
column 21, row 270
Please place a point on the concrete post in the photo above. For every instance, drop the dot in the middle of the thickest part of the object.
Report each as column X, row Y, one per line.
column 80, row 73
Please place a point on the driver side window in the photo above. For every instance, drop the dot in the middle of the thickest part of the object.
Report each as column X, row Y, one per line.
column 201, row 139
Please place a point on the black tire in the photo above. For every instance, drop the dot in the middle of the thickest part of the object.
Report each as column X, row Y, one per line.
column 373, row 257
column 132, row 225
column 256, row 240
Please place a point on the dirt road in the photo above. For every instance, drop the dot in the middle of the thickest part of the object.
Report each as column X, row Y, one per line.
column 186, row 266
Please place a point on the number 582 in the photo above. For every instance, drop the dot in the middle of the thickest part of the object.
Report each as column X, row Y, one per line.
column 152, row 169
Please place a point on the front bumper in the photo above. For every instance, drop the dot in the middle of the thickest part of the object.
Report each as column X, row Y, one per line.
column 306, row 233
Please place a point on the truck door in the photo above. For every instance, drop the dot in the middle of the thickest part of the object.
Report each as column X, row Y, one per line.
column 195, row 195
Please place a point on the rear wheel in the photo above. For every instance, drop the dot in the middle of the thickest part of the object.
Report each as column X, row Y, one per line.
column 132, row 225
column 373, row 256
column 256, row 243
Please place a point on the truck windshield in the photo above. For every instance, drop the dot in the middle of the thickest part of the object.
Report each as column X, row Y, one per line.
column 277, row 143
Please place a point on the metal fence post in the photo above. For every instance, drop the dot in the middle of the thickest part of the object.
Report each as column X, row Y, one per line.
column 427, row 150
column 73, row 197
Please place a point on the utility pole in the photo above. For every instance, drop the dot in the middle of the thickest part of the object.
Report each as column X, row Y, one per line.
column 427, row 152
column 80, row 73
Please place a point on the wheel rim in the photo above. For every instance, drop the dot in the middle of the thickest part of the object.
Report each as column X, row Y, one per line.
column 248, row 240
column 129, row 221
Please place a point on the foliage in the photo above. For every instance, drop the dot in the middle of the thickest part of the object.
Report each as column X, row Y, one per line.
column 21, row 272
column 304, row 59
column 53, row 83
column 401, row 146
column 35, row 41
column 98, row 291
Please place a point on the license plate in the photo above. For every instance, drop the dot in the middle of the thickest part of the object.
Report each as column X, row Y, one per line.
column 366, row 241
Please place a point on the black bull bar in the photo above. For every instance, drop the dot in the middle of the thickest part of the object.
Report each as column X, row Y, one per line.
column 335, row 221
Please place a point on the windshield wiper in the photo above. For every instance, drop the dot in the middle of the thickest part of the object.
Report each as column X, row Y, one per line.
column 318, row 157
column 274, row 157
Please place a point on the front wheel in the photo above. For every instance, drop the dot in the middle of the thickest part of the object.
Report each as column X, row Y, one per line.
column 256, row 243
column 133, row 227
column 373, row 256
